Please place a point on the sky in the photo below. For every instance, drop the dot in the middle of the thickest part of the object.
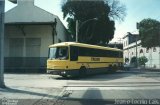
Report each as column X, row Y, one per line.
column 136, row 10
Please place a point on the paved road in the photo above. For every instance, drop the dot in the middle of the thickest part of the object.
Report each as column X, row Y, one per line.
column 111, row 87
column 90, row 90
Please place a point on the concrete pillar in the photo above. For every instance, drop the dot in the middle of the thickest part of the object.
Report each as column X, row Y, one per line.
column 2, row 2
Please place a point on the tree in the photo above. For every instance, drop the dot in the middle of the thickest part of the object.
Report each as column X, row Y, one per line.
column 94, row 32
column 117, row 10
column 133, row 61
column 142, row 60
column 149, row 33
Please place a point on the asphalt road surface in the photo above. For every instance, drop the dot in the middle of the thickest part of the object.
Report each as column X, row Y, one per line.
column 131, row 87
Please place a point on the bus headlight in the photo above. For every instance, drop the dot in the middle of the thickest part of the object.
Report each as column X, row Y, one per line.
column 63, row 72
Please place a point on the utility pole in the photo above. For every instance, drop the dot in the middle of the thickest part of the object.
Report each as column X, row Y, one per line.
column 159, row 48
column 77, row 30
column 115, row 45
column 2, row 2
column 137, row 26
column 136, row 54
column 120, row 40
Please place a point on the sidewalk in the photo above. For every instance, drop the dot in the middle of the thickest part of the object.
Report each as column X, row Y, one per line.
column 28, row 92
column 146, row 69
column 28, row 89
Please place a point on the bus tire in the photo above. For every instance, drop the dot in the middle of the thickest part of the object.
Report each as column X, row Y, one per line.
column 82, row 71
column 64, row 76
column 110, row 68
column 115, row 68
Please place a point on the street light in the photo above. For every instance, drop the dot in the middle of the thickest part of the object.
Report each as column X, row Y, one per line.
column 78, row 27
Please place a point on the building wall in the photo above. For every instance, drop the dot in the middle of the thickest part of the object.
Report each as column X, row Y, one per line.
column 26, row 46
column 153, row 54
column 61, row 32
column 154, row 57
column 26, row 41
column 125, row 42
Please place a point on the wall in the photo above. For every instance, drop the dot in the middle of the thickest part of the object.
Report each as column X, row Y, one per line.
column 61, row 32
column 26, row 47
column 153, row 54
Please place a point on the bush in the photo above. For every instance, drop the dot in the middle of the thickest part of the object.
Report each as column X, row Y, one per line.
column 142, row 60
column 126, row 59
column 133, row 61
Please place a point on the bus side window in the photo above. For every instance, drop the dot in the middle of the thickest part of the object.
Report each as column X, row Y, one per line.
column 73, row 53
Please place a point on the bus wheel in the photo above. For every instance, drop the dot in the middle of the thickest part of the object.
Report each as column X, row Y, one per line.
column 110, row 68
column 115, row 68
column 82, row 72
column 64, row 76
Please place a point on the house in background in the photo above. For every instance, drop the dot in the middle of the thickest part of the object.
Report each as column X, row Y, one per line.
column 29, row 30
column 129, row 50
column 118, row 45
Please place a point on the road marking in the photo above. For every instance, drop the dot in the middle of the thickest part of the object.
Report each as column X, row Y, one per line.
column 112, row 85
column 103, row 84
column 114, row 88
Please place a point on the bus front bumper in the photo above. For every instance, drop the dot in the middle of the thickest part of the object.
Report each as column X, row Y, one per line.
column 63, row 72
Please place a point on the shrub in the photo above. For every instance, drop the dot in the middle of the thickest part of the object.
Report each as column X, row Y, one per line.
column 133, row 61
column 142, row 60
column 126, row 59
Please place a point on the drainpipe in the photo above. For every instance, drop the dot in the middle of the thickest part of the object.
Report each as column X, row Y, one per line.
column 54, row 32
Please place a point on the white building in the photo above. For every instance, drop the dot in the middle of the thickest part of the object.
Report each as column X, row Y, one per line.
column 129, row 48
column 28, row 32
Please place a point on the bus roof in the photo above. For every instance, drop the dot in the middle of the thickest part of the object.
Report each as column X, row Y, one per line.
column 83, row 45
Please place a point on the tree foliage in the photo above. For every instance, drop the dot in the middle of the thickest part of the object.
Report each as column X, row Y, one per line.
column 117, row 10
column 94, row 32
column 149, row 30
column 133, row 61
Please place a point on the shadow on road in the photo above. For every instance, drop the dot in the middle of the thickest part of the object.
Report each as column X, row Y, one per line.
column 101, row 77
column 92, row 96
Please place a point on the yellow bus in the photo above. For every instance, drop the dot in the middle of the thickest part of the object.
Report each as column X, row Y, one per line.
column 71, row 58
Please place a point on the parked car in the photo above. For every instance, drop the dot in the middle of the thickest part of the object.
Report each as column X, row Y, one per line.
column 126, row 66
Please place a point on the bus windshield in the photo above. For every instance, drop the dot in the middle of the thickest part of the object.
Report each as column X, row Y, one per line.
column 58, row 53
